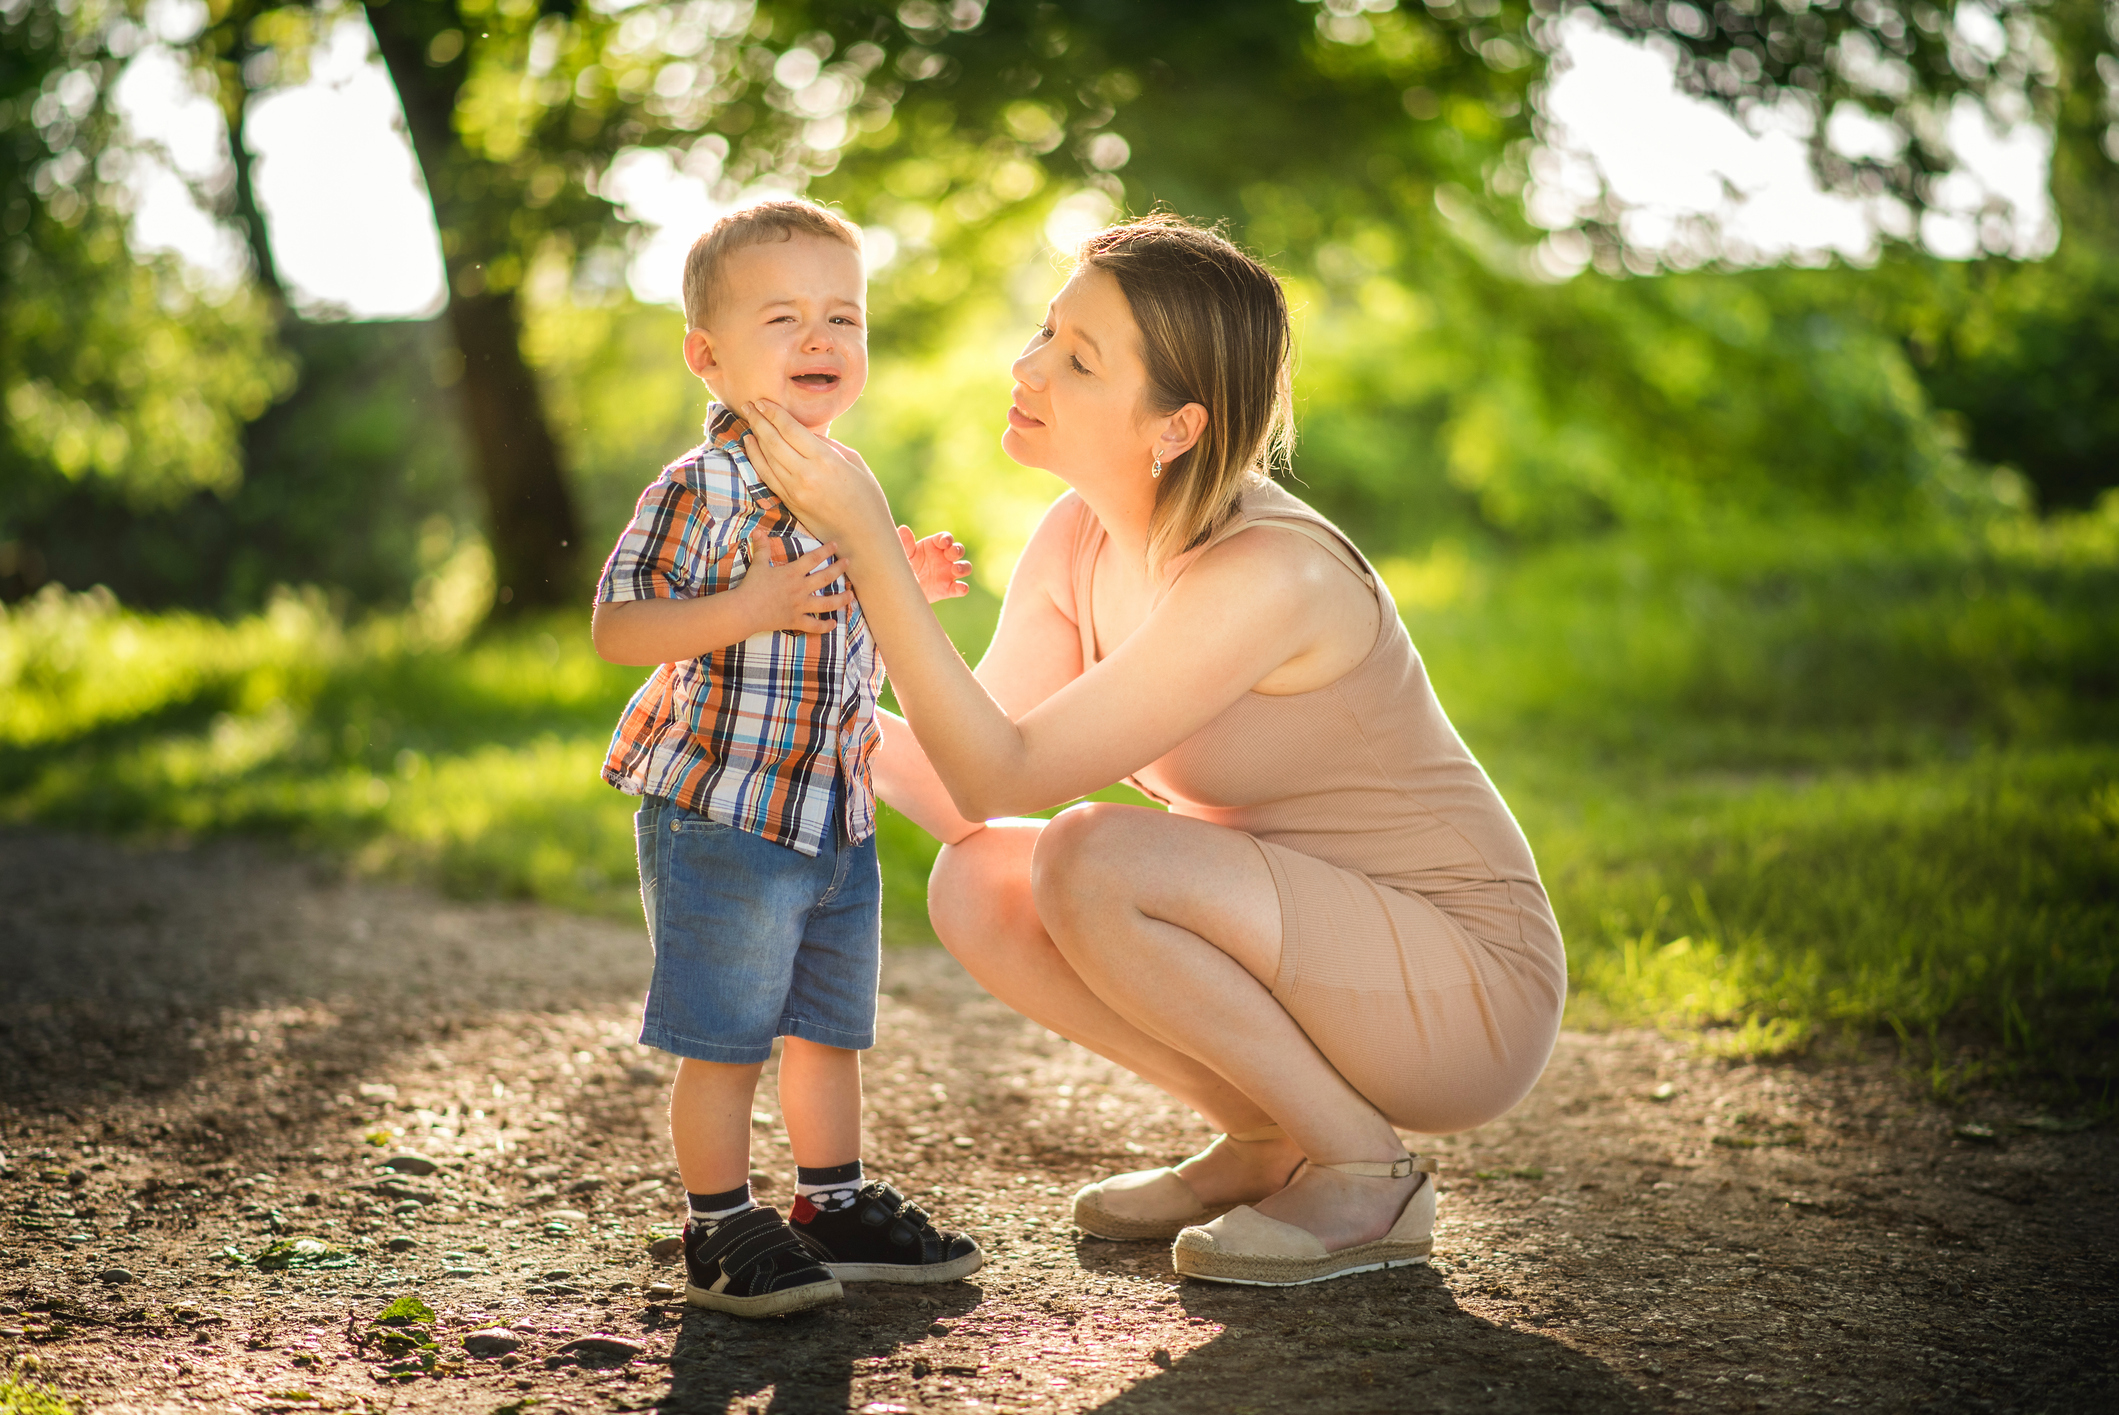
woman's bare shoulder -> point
(1262, 560)
(1047, 561)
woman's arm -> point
(1036, 651)
(1237, 614)
(906, 781)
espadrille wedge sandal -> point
(1152, 1203)
(1244, 1246)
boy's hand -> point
(784, 595)
(938, 563)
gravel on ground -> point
(249, 1107)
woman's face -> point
(1080, 387)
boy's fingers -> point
(762, 547)
(905, 539)
(810, 561)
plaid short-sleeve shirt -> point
(755, 734)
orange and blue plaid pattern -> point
(756, 734)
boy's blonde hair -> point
(779, 220)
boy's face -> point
(790, 324)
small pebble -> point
(401, 1243)
(666, 1250)
(660, 1291)
(117, 1277)
(410, 1164)
(491, 1342)
(1663, 1092)
(604, 1347)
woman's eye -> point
(1044, 331)
(1079, 367)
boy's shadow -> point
(804, 1364)
(1381, 1341)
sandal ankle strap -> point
(1403, 1167)
(1263, 1132)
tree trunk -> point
(529, 510)
(534, 534)
(234, 87)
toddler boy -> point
(750, 747)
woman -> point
(1336, 927)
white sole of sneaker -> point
(770, 1304)
(908, 1273)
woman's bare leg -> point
(1174, 925)
(979, 899)
(1098, 925)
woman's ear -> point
(1179, 431)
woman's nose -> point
(1025, 369)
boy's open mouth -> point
(816, 382)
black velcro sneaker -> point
(753, 1265)
(883, 1238)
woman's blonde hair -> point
(1213, 331)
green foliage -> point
(354, 482)
(116, 374)
(2027, 356)
(1537, 411)
(405, 1311)
(21, 1395)
(1806, 644)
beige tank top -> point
(1365, 773)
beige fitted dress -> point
(1418, 949)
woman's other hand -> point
(938, 561)
(829, 489)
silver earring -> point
(1157, 469)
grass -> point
(20, 1395)
(1783, 784)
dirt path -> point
(195, 1046)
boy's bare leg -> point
(710, 1123)
(820, 1098)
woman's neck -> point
(1125, 513)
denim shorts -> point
(754, 940)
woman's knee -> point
(974, 892)
(1080, 857)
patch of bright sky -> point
(1692, 183)
(353, 233)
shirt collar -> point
(725, 431)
